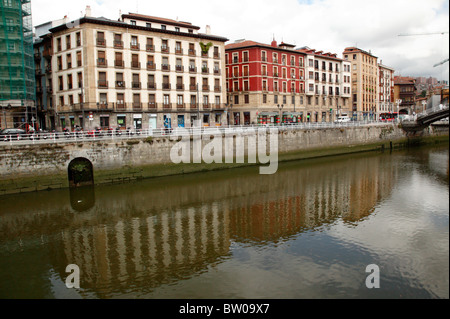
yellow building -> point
(364, 76)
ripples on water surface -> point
(308, 231)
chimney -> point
(88, 12)
(208, 29)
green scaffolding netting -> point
(17, 75)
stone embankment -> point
(45, 166)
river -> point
(308, 231)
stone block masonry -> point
(45, 166)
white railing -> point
(68, 137)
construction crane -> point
(430, 33)
(442, 62)
(414, 34)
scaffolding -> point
(17, 70)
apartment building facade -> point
(328, 85)
(267, 84)
(405, 90)
(386, 102)
(139, 72)
(365, 76)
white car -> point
(343, 119)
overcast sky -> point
(327, 25)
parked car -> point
(8, 134)
(343, 119)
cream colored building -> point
(386, 103)
(364, 74)
(328, 85)
(140, 72)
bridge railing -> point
(115, 134)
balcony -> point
(217, 88)
(167, 106)
(102, 62)
(103, 106)
(180, 87)
(151, 86)
(121, 106)
(136, 85)
(101, 42)
(216, 71)
(152, 106)
(205, 88)
(192, 69)
(102, 84)
(178, 51)
(118, 44)
(206, 106)
(135, 65)
(193, 106)
(134, 46)
(179, 68)
(119, 64)
(165, 49)
(181, 106)
(193, 87)
(205, 70)
(150, 48)
(205, 54)
(47, 53)
(166, 86)
(120, 84)
(165, 67)
(151, 66)
(216, 55)
(191, 52)
(137, 106)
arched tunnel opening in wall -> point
(80, 172)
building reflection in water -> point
(140, 235)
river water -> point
(308, 231)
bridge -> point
(417, 123)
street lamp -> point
(398, 102)
(423, 105)
(280, 108)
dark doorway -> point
(81, 172)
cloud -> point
(327, 25)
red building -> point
(265, 83)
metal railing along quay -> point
(116, 134)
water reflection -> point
(82, 198)
(133, 238)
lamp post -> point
(280, 108)
(398, 102)
(82, 107)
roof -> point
(349, 50)
(104, 21)
(404, 80)
(320, 54)
(159, 20)
(249, 44)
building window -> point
(132, 22)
